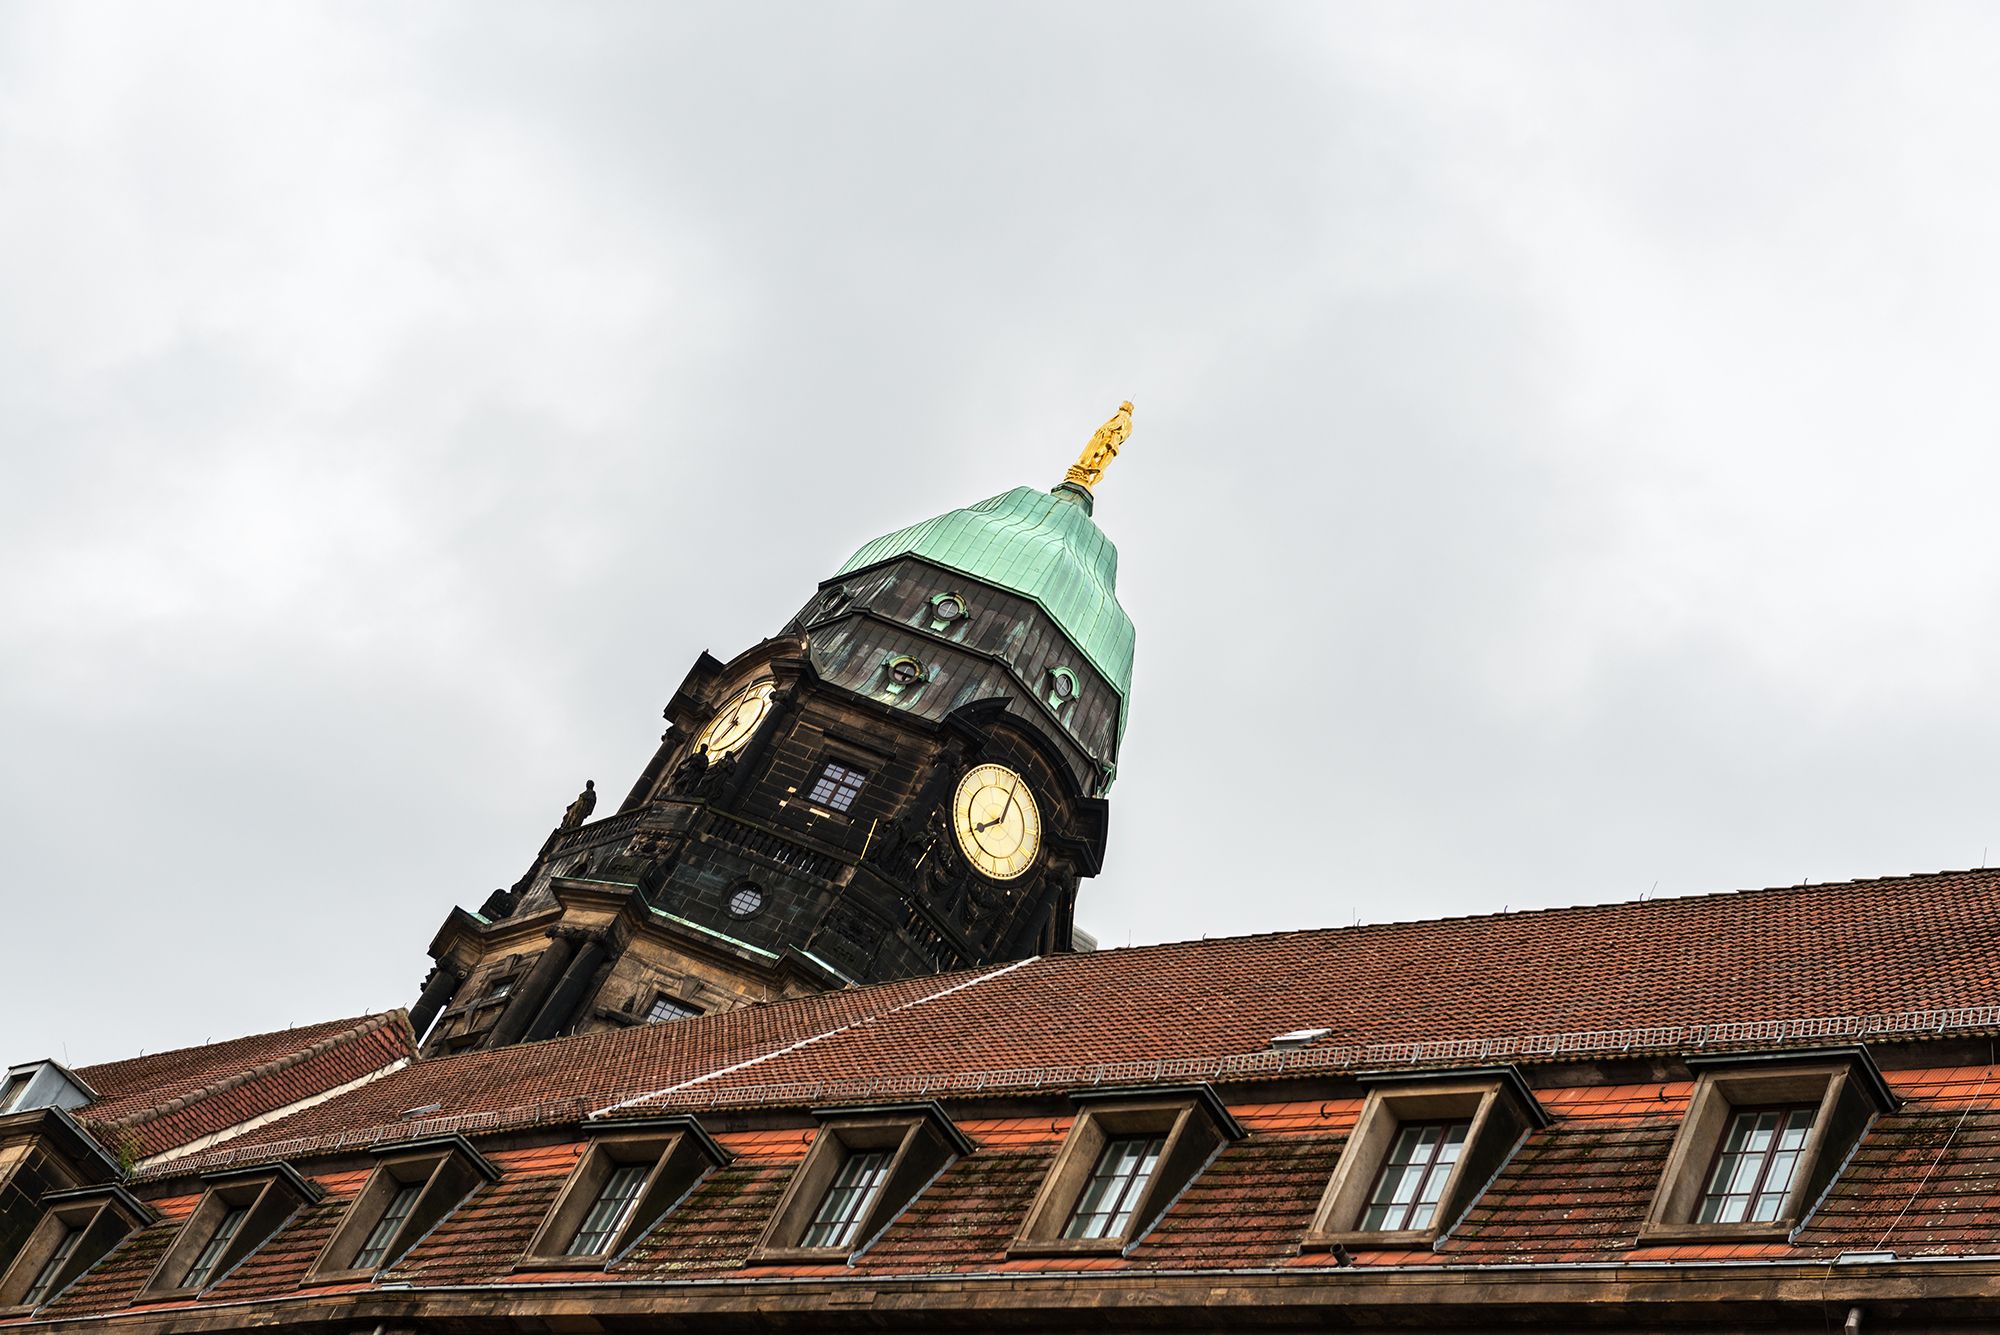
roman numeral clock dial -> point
(998, 825)
(735, 721)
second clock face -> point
(999, 827)
(735, 721)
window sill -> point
(1070, 1247)
(1378, 1239)
(167, 1295)
(598, 1262)
(1776, 1230)
(801, 1256)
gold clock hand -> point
(1004, 811)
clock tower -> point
(910, 777)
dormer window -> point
(847, 1199)
(864, 1168)
(632, 1174)
(44, 1283)
(236, 1215)
(1756, 1165)
(1413, 1177)
(1127, 1156)
(202, 1268)
(610, 1210)
(1420, 1151)
(1763, 1137)
(78, 1229)
(375, 1247)
(43, 1084)
(1111, 1194)
(412, 1189)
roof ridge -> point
(215, 1043)
(369, 1025)
(812, 1038)
(1543, 911)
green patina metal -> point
(1042, 545)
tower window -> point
(1412, 1180)
(1755, 1165)
(1105, 1207)
(837, 786)
(666, 1008)
(745, 901)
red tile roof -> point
(1924, 1181)
(1863, 948)
(150, 1104)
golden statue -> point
(1103, 448)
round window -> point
(745, 901)
(948, 607)
(905, 671)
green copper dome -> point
(1041, 545)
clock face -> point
(999, 826)
(735, 721)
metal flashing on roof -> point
(454, 1144)
(1510, 1078)
(1858, 1058)
(929, 1109)
(1202, 1094)
(688, 1126)
(111, 1191)
(278, 1168)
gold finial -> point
(1103, 448)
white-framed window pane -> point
(376, 1247)
(1104, 1207)
(854, 1189)
(610, 1210)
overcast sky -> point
(1564, 464)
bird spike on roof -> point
(1089, 468)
